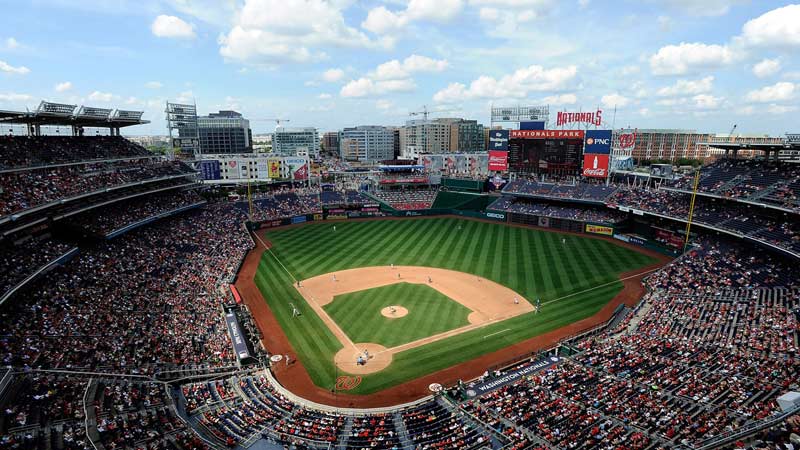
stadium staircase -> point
(344, 434)
(402, 432)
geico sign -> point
(496, 216)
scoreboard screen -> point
(559, 157)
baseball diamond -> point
(348, 275)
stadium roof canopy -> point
(58, 114)
(745, 146)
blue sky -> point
(702, 64)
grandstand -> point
(122, 328)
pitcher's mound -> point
(378, 359)
(394, 312)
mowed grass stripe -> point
(538, 265)
(429, 313)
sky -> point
(698, 64)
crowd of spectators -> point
(283, 204)
(128, 212)
(576, 190)
(31, 151)
(20, 260)
(408, 199)
(145, 300)
(768, 182)
(573, 212)
(21, 190)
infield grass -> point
(429, 312)
(532, 262)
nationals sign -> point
(498, 160)
(547, 134)
(627, 141)
(595, 165)
(592, 118)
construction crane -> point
(424, 113)
(730, 135)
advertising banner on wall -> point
(274, 165)
(498, 140)
(599, 229)
(598, 141)
(547, 134)
(498, 160)
(595, 166)
(298, 168)
(627, 141)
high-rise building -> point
(445, 135)
(225, 132)
(396, 137)
(330, 142)
(467, 136)
(296, 141)
(366, 144)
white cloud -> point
(384, 104)
(767, 67)
(12, 97)
(583, 3)
(366, 87)
(12, 44)
(381, 20)
(562, 99)
(133, 101)
(98, 96)
(324, 96)
(703, 8)
(395, 69)
(273, 32)
(516, 85)
(644, 112)
(706, 101)
(185, 97)
(172, 27)
(614, 100)
(780, 91)
(629, 70)
(153, 85)
(333, 75)
(63, 87)
(8, 68)
(664, 23)
(503, 17)
(689, 57)
(688, 87)
(781, 109)
(777, 28)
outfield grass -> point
(430, 312)
(532, 262)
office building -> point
(224, 132)
(367, 144)
(445, 135)
(296, 142)
(330, 142)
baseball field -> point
(424, 295)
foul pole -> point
(691, 208)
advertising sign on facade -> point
(595, 166)
(598, 141)
(599, 229)
(592, 118)
(547, 134)
(498, 140)
(210, 169)
(298, 169)
(498, 160)
(274, 166)
(627, 141)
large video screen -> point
(558, 157)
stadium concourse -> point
(115, 309)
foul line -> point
(601, 285)
(497, 332)
(273, 255)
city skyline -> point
(703, 65)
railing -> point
(747, 430)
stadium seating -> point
(408, 199)
(32, 151)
